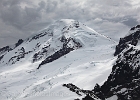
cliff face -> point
(132, 38)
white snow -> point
(113, 98)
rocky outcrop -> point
(9, 48)
(132, 39)
(89, 94)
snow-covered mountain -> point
(65, 52)
(70, 61)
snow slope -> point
(84, 57)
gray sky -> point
(22, 18)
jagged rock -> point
(88, 98)
(74, 88)
(89, 94)
(9, 48)
(1, 57)
(99, 92)
(21, 55)
(20, 41)
(130, 39)
(76, 99)
(4, 49)
(48, 32)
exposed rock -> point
(89, 94)
(20, 41)
(130, 39)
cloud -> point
(130, 22)
(110, 17)
(13, 14)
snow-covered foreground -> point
(83, 67)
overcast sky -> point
(22, 18)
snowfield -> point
(84, 66)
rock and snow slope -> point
(124, 81)
(65, 52)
